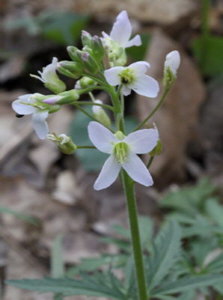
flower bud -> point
(86, 38)
(100, 114)
(86, 82)
(63, 142)
(70, 69)
(69, 97)
(171, 66)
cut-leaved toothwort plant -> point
(150, 269)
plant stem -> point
(166, 90)
(128, 185)
(86, 147)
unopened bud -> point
(86, 38)
(171, 66)
(69, 97)
(100, 114)
(63, 142)
(86, 82)
(70, 69)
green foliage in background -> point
(61, 27)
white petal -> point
(108, 174)
(122, 29)
(40, 125)
(126, 91)
(136, 41)
(173, 61)
(140, 67)
(112, 75)
(21, 108)
(137, 170)
(142, 141)
(101, 137)
(146, 86)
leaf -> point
(130, 278)
(215, 211)
(146, 232)
(189, 200)
(57, 265)
(29, 219)
(97, 284)
(63, 27)
(166, 252)
(186, 284)
(209, 53)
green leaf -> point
(187, 284)
(63, 27)
(189, 200)
(57, 265)
(208, 51)
(29, 219)
(98, 284)
(130, 278)
(146, 232)
(166, 252)
(215, 211)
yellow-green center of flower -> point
(127, 76)
(121, 151)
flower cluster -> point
(101, 64)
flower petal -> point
(122, 29)
(142, 141)
(40, 125)
(126, 91)
(112, 75)
(140, 67)
(172, 61)
(136, 41)
(101, 137)
(20, 107)
(146, 86)
(108, 174)
(137, 170)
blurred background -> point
(44, 193)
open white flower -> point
(133, 78)
(123, 152)
(172, 61)
(122, 31)
(25, 105)
(50, 78)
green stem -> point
(86, 147)
(154, 110)
(97, 104)
(128, 185)
(150, 162)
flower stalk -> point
(128, 185)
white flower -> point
(25, 105)
(50, 78)
(172, 61)
(133, 78)
(123, 152)
(122, 31)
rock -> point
(177, 119)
